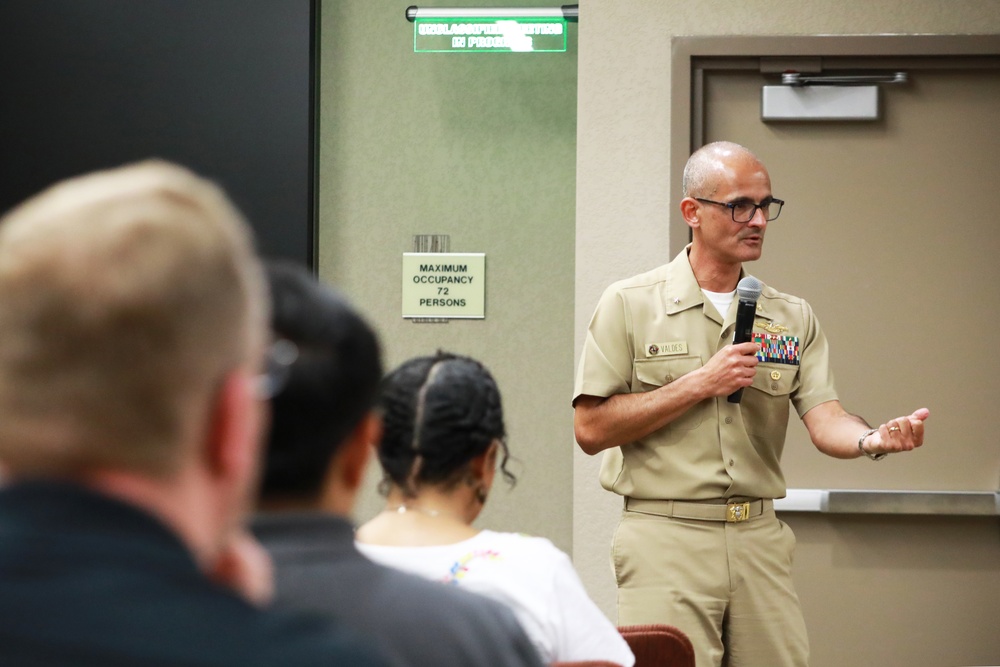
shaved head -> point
(707, 163)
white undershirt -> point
(721, 300)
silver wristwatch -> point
(861, 446)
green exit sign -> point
(500, 35)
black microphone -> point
(748, 290)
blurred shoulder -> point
(268, 637)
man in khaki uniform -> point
(699, 545)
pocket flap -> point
(658, 372)
(775, 379)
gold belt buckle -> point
(736, 512)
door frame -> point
(692, 57)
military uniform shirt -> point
(651, 329)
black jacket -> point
(88, 580)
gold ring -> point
(893, 428)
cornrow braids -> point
(439, 413)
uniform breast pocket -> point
(766, 402)
(651, 374)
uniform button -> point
(775, 375)
(731, 463)
(774, 385)
(729, 420)
(669, 378)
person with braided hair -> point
(324, 422)
(443, 436)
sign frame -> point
(444, 285)
(486, 34)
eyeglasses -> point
(744, 211)
(278, 367)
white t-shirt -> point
(721, 300)
(530, 575)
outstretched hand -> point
(899, 435)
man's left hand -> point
(898, 435)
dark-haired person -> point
(323, 429)
(134, 324)
(699, 545)
(444, 433)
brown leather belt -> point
(731, 511)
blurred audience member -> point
(133, 319)
(323, 430)
(444, 432)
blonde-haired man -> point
(133, 319)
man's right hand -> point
(601, 423)
(245, 566)
(731, 368)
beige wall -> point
(623, 180)
(480, 147)
(557, 166)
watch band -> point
(861, 446)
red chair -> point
(658, 645)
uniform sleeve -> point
(815, 375)
(584, 632)
(605, 367)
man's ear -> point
(236, 420)
(346, 470)
(690, 211)
(356, 451)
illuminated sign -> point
(522, 35)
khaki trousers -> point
(728, 586)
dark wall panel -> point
(224, 87)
